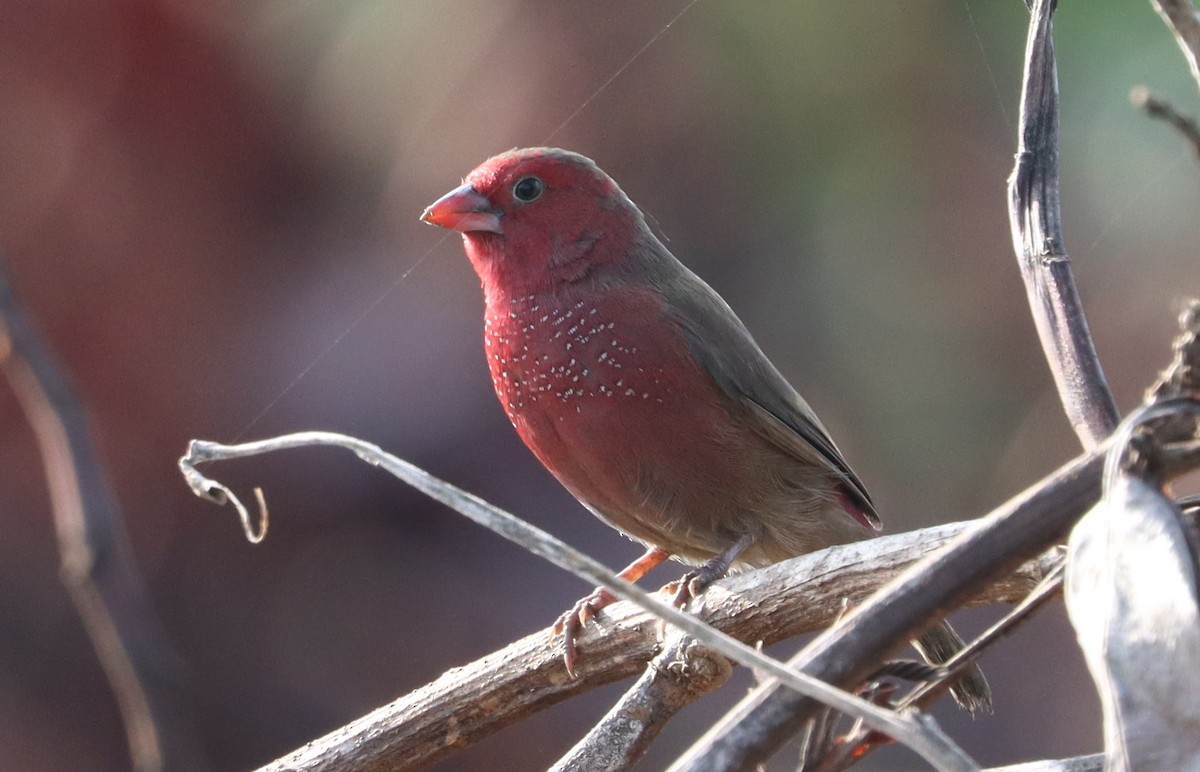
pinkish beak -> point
(463, 209)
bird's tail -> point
(971, 691)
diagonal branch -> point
(922, 736)
(797, 596)
(682, 672)
(848, 653)
(1035, 218)
(1184, 21)
(97, 562)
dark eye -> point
(528, 189)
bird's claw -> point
(571, 624)
(688, 586)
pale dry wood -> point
(1093, 763)
(681, 673)
(466, 704)
(915, 732)
(1131, 597)
(1023, 526)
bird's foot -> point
(691, 584)
(571, 623)
(698, 579)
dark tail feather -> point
(971, 691)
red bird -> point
(641, 391)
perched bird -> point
(641, 391)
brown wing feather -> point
(725, 348)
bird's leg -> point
(585, 609)
(695, 581)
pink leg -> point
(571, 623)
(694, 582)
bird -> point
(640, 390)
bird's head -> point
(537, 218)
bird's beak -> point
(463, 209)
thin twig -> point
(1092, 763)
(1026, 525)
(97, 562)
(1157, 107)
(1181, 376)
(862, 741)
(923, 696)
(922, 738)
(1035, 218)
(1184, 22)
(800, 595)
(848, 653)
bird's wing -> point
(724, 347)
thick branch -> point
(921, 736)
(682, 672)
(1035, 217)
(97, 562)
(1021, 528)
(468, 703)
(846, 654)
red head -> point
(536, 218)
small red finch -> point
(642, 392)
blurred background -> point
(211, 210)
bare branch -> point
(1035, 217)
(1093, 763)
(800, 595)
(1156, 107)
(1050, 587)
(97, 562)
(1024, 526)
(683, 671)
(907, 605)
(920, 736)
(1184, 21)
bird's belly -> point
(638, 464)
(623, 416)
(634, 427)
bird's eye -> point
(528, 189)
